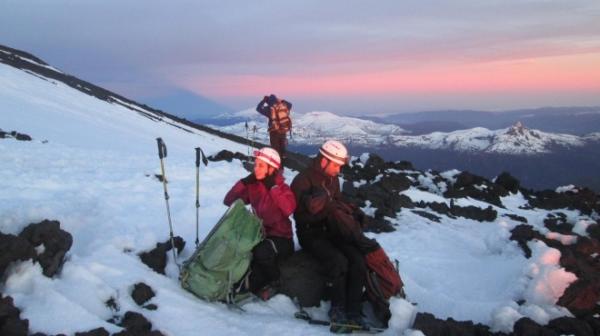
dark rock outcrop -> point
(558, 223)
(571, 326)
(472, 212)
(56, 243)
(228, 156)
(508, 182)
(94, 332)
(14, 134)
(156, 258)
(427, 215)
(136, 324)
(142, 293)
(582, 199)
(14, 248)
(482, 215)
(477, 187)
(527, 327)
(581, 296)
(432, 326)
(516, 218)
(10, 320)
(522, 234)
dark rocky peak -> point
(519, 130)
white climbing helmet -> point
(335, 151)
(269, 156)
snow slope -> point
(90, 165)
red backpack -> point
(383, 282)
(280, 117)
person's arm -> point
(315, 200)
(281, 194)
(239, 190)
(263, 108)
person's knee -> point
(263, 252)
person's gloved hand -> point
(270, 180)
(318, 201)
(248, 179)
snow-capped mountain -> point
(592, 137)
(89, 161)
(315, 127)
(516, 140)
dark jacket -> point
(273, 206)
(314, 192)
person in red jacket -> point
(273, 202)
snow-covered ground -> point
(91, 166)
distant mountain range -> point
(540, 159)
(571, 120)
(188, 105)
(315, 127)
(516, 139)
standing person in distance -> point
(273, 202)
(318, 197)
(280, 123)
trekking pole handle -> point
(200, 157)
(162, 148)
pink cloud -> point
(560, 73)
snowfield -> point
(91, 166)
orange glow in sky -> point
(579, 73)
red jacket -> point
(273, 206)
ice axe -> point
(199, 154)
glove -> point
(269, 181)
(248, 179)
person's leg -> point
(334, 265)
(285, 247)
(355, 278)
(263, 257)
(282, 249)
(274, 141)
(278, 141)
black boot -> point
(339, 322)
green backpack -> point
(224, 256)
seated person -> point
(273, 202)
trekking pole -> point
(247, 140)
(253, 136)
(162, 153)
(199, 153)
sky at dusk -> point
(347, 57)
